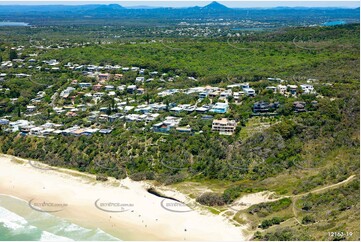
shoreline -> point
(121, 208)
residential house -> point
(25, 129)
(225, 94)
(71, 114)
(176, 109)
(203, 95)
(89, 131)
(121, 88)
(202, 109)
(104, 109)
(249, 92)
(112, 94)
(140, 90)
(282, 89)
(158, 106)
(168, 92)
(131, 88)
(30, 108)
(84, 85)
(58, 110)
(207, 117)
(143, 109)
(186, 129)
(261, 107)
(272, 88)
(97, 87)
(151, 117)
(47, 132)
(274, 79)
(292, 89)
(189, 108)
(109, 88)
(139, 79)
(307, 88)
(103, 77)
(133, 118)
(236, 96)
(128, 108)
(68, 108)
(15, 126)
(299, 106)
(244, 85)
(105, 131)
(165, 126)
(214, 94)
(52, 62)
(65, 93)
(224, 126)
(4, 122)
(82, 107)
(161, 127)
(36, 131)
(92, 118)
(219, 108)
(118, 76)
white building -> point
(30, 108)
(109, 88)
(282, 89)
(249, 91)
(307, 89)
(139, 79)
(272, 88)
(66, 92)
(226, 93)
(224, 126)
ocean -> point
(19, 222)
(13, 24)
(334, 23)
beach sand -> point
(122, 208)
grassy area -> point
(254, 125)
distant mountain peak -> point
(110, 7)
(215, 6)
(106, 9)
(115, 6)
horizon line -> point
(187, 4)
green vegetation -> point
(329, 215)
(264, 209)
(289, 153)
(268, 223)
(210, 199)
(261, 55)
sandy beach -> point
(123, 208)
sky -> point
(189, 3)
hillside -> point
(308, 160)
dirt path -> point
(296, 197)
(332, 186)
(326, 187)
